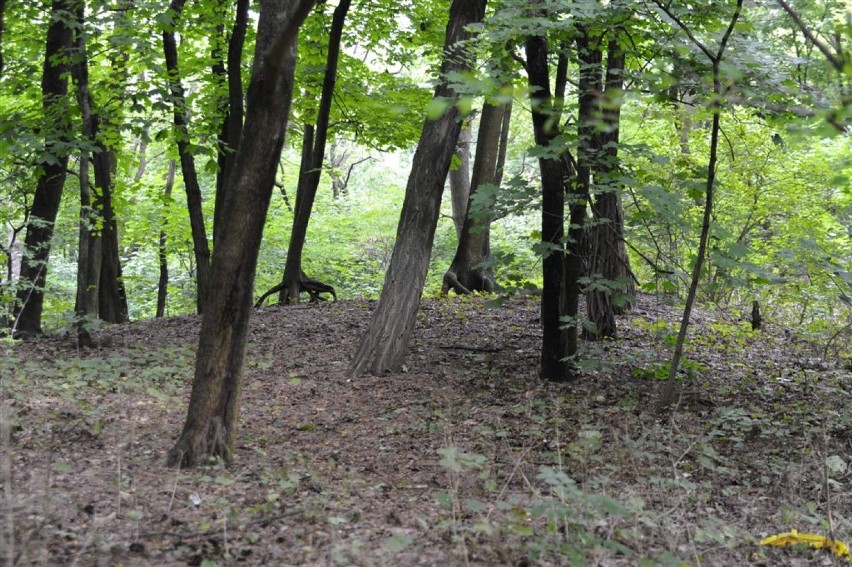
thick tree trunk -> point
(561, 272)
(52, 172)
(467, 273)
(213, 414)
(232, 125)
(187, 160)
(313, 151)
(590, 125)
(460, 181)
(162, 247)
(385, 345)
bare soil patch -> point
(466, 458)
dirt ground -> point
(465, 458)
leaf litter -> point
(464, 458)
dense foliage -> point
(781, 225)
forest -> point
(435, 282)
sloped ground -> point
(464, 459)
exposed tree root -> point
(477, 280)
(306, 285)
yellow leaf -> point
(793, 537)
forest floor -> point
(465, 458)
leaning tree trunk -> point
(313, 150)
(52, 172)
(213, 414)
(232, 124)
(468, 271)
(187, 160)
(385, 345)
(558, 343)
(668, 393)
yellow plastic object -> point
(793, 537)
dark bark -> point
(112, 300)
(313, 151)
(89, 256)
(162, 246)
(51, 176)
(385, 344)
(558, 270)
(213, 414)
(232, 125)
(469, 271)
(187, 160)
(608, 267)
(460, 181)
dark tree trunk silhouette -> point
(460, 181)
(162, 246)
(187, 161)
(89, 255)
(560, 290)
(232, 124)
(294, 280)
(590, 150)
(52, 173)
(384, 346)
(468, 271)
(112, 299)
(210, 428)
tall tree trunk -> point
(187, 161)
(313, 151)
(460, 181)
(467, 272)
(112, 300)
(52, 172)
(232, 124)
(213, 414)
(89, 257)
(590, 148)
(385, 345)
(162, 249)
(555, 339)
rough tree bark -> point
(232, 123)
(560, 289)
(213, 414)
(467, 272)
(589, 157)
(384, 346)
(51, 178)
(187, 161)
